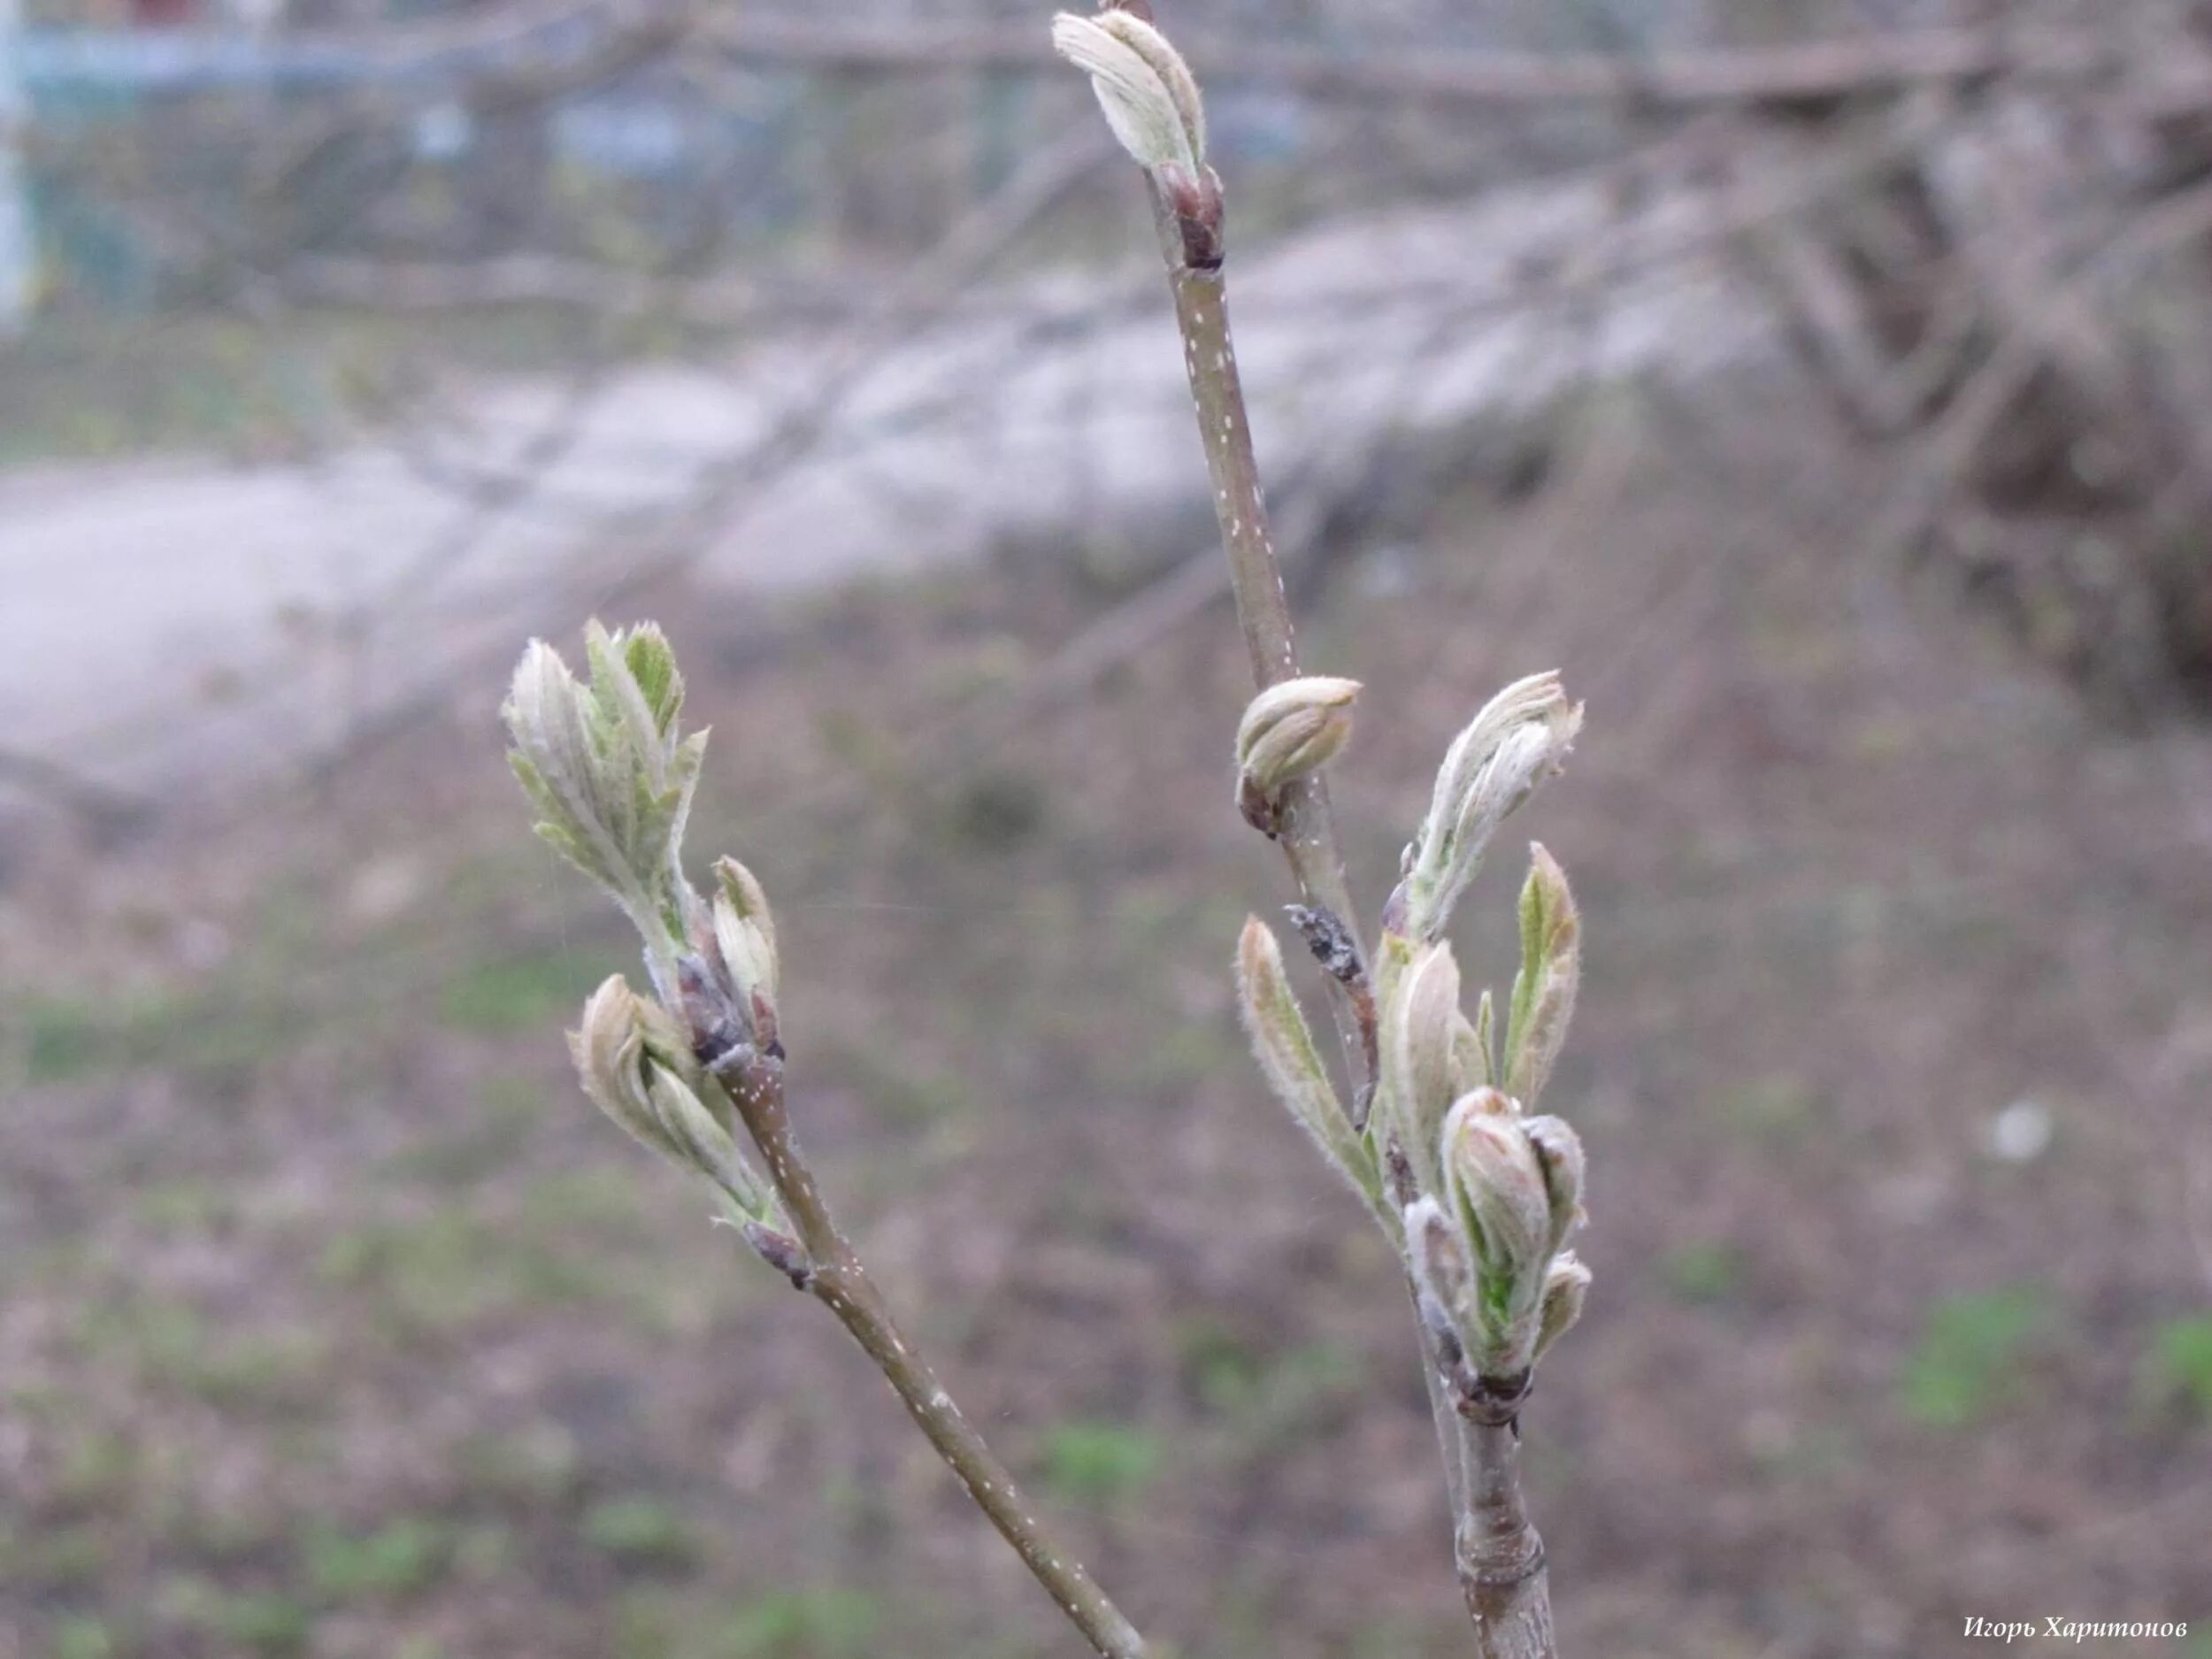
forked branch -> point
(686, 1068)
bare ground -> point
(332, 1322)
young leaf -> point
(1283, 1044)
(1551, 972)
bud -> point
(1559, 1154)
(1289, 730)
(668, 1041)
(611, 781)
(1438, 1259)
(745, 938)
(1498, 1191)
(1566, 1285)
(1149, 94)
(1551, 970)
(706, 1144)
(1283, 1044)
(1417, 1035)
(702, 1142)
(1493, 1171)
(780, 1251)
(636, 1065)
(609, 1049)
(1521, 737)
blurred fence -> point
(152, 155)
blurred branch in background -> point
(1891, 212)
(541, 50)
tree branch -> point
(840, 1282)
(1499, 1554)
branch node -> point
(781, 1252)
(1495, 1402)
(1336, 949)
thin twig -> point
(840, 1282)
(1499, 1556)
(1305, 827)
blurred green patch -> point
(1303, 1392)
(99, 1466)
(1220, 1367)
(232, 1538)
(170, 1344)
(994, 812)
(1704, 1274)
(1394, 1639)
(1265, 1398)
(187, 1203)
(806, 1622)
(603, 1199)
(452, 1269)
(812, 1622)
(262, 1624)
(533, 1465)
(651, 1625)
(62, 1040)
(59, 1558)
(1806, 1451)
(81, 1636)
(489, 1138)
(1098, 1462)
(483, 1551)
(639, 1530)
(265, 1621)
(1969, 1354)
(538, 991)
(898, 1089)
(1778, 1107)
(1183, 1054)
(2180, 1363)
(402, 1557)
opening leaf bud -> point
(609, 1049)
(1559, 1154)
(667, 1041)
(1520, 737)
(1551, 970)
(1418, 1037)
(1283, 1044)
(1438, 1257)
(1566, 1285)
(1498, 1191)
(634, 1062)
(610, 780)
(745, 937)
(1149, 94)
(1289, 730)
(705, 1143)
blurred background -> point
(1823, 385)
